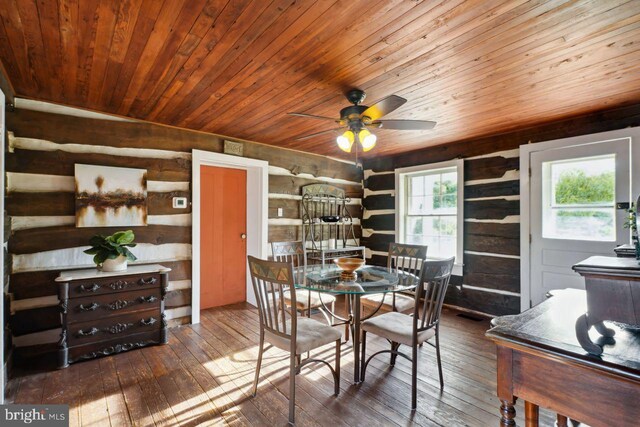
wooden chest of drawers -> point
(106, 313)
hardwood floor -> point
(203, 377)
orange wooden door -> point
(223, 249)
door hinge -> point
(529, 172)
(530, 238)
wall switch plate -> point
(179, 202)
(280, 212)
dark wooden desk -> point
(541, 362)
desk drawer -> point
(114, 327)
(83, 288)
(113, 346)
(100, 306)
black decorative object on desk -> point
(613, 294)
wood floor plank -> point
(94, 405)
(134, 396)
(269, 404)
(204, 377)
(195, 408)
(270, 394)
(154, 380)
(321, 404)
(31, 389)
(55, 392)
(116, 405)
(209, 384)
(232, 402)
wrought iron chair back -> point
(403, 258)
(434, 280)
(406, 258)
(270, 279)
(292, 252)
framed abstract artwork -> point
(110, 196)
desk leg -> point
(531, 412)
(356, 338)
(508, 413)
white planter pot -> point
(118, 264)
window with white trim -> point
(429, 206)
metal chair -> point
(402, 257)
(283, 329)
(414, 330)
(294, 252)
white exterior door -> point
(574, 192)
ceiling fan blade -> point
(311, 116)
(317, 133)
(382, 107)
(404, 124)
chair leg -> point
(260, 351)
(346, 325)
(414, 377)
(363, 344)
(292, 388)
(438, 357)
(337, 367)
(394, 347)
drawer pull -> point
(88, 333)
(149, 281)
(148, 299)
(119, 285)
(92, 288)
(118, 328)
(119, 304)
(90, 307)
(149, 322)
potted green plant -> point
(111, 253)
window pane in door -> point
(578, 198)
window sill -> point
(457, 270)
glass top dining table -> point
(370, 280)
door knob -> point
(243, 236)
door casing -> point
(525, 191)
(257, 215)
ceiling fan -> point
(358, 119)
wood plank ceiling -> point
(236, 67)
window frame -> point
(401, 200)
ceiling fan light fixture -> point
(345, 141)
(367, 139)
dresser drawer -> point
(113, 346)
(83, 288)
(109, 305)
(113, 327)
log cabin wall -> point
(491, 274)
(40, 203)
